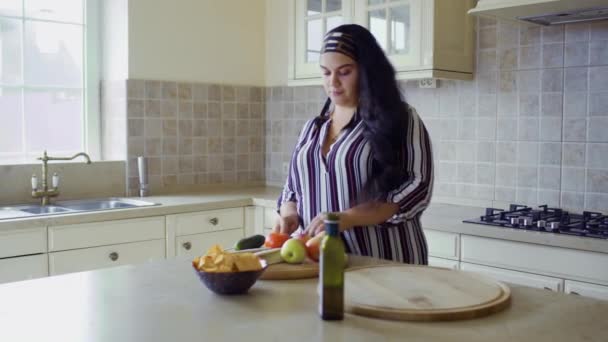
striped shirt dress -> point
(331, 184)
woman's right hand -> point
(287, 224)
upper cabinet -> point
(423, 38)
(309, 21)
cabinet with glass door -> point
(422, 38)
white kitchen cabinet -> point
(198, 244)
(309, 20)
(514, 277)
(94, 234)
(88, 246)
(105, 256)
(253, 220)
(443, 244)
(206, 221)
(270, 218)
(552, 261)
(422, 38)
(586, 289)
(24, 267)
(203, 229)
(445, 263)
(22, 241)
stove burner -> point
(546, 219)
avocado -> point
(255, 241)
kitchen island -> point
(165, 301)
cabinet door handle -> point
(575, 293)
(214, 221)
(187, 245)
(113, 256)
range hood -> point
(543, 12)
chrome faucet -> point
(45, 193)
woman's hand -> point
(287, 224)
(317, 225)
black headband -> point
(340, 42)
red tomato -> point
(276, 240)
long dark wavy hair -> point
(383, 111)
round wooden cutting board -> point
(285, 271)
(421, 293)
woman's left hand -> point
(317, 225)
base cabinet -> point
(198, 244)
(518, 278)
(105, 256)
(191, 234)
(586, 289)
(444, 263)
(443, 244)
(270, 219)
(24, 267)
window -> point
(48, 79)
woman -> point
(367, 156)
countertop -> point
(165, 301)
(439, 216)
(167, 204)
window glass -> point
(333, 5)
(54, 120)
(400, 29)
(56, 10)
(10, 51)
(313, 7)
(377, 26)
(313, 40)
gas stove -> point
(546, 219)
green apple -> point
(293, 251)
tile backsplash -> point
(195, 134)
(532, 127)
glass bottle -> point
(331, 272)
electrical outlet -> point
(285, 168)
(427, 83)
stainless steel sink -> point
(47, 209)
(103, 204)
(67, 207)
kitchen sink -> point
(87, 205)
(75, 206)
(47, 209)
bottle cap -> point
(333, 217)
(332, 224)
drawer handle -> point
(575, 293)
(113, 256)
(548, 288)
(214, 221)
(187, 245)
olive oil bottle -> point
(331, 273)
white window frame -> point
(91, 130)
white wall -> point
(198, 40)
(276, 43)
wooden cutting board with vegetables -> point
(278, 269)
(287, 257)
